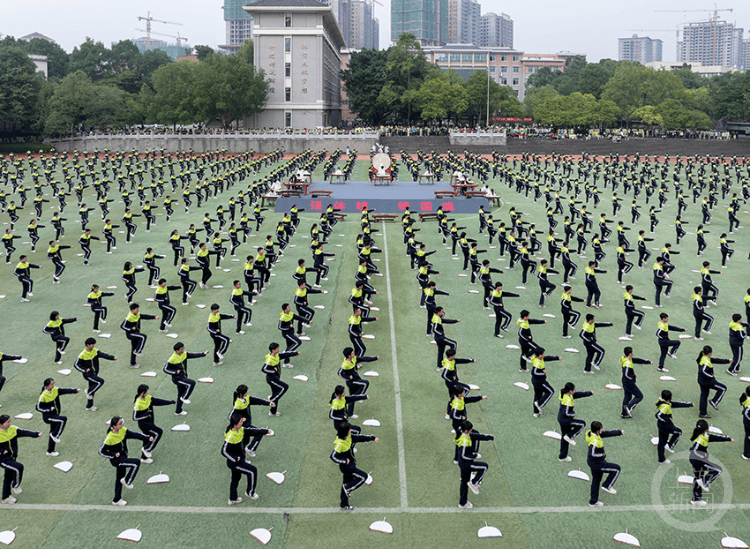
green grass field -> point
(526, 492)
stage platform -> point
(352, 196)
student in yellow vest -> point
(745, 403)
(596, 459)
(569, 426)
(339, 403)
(128, 276)
(55, 328)
(704, 472)
(132, 327)
(49, 406)
(9, 435)
(232, 451)
(115, 449)
(241, 403)
(348, 372)
(737, 334)
(669, 433)
(707, 380)
(176, 367)
(542, 389)
(472, 471)
(143, 413)
(343, 456)
(286, 326)
(457, 411)
(273, 375)
(88, 364)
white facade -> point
(464, 22)
(639, 49)
(496, 31)
(711, 43)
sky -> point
(540, 26)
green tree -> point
(19, 88)
(203, 52)
(675, 115)
(91, 58)
(648, 115)
(247, 52)
(441, 95)
(152, 60)
(478, 88)
(594, 76)
(406, 69)
(228, 88)
(364, 80)
(543, 77)
(57, 58)
(174, 90)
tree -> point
(57, 58)
(203, 52)
(441, 95)
(543, 77)
(675, 115)
(594, 77)
(19, 88)
(247, 52)
(91, 58)
(364, 81)
(173, 99)
(124, 56)
(228, 88)
(406, 69)
(150, 61)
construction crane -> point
(148, 20)
(714, 19)
(178, 37)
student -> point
(594, 352)
(457, 410)
(570, 316)
(94, 299)
(710, 291)
(525, 338)
(132, 327)
(343, 456)
(232, 451)
(23, 273)
(661, 281)
(542, 389)
(569, 426)
(704, 472)
(700, 314)
(669, 433)
(237, 299)
(726, 252)
(128, 276)
(188, 285)
(241, 403)
(355, 331)
(745, 403)
(348, 372)
(449, 374)
(631, 312)
(153, 269)
(438, 332)
(592, 286)
(88, 364)
(737, 334)
(502, 317)
(632, 394)
(472, 471)
(303, 307)
(49, 406)
(339, 403)
(596, 459)
(9, 435)
(707, 380)
(115, 449)
(176, 367)
(55, 328)
(221, 342)
(143, 413)
(3, 358)
(545, 286)
(667, 346)
(273, 375)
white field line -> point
(396, 385)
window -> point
(467, 58)
(492, 69)
(503, 69)
(287, 19)
(515, 69)
(504, 81)
(287, 44)
(515, 58)
(455, 58)
(503, 58)
(480, 58)
(287, 69)
(492, 57)
(288, 94)
(515, 82)
(287, 119)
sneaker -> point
(138, 354)
(467, 505)
(666, 462)
(706, 332)
(135, 365)
(704, 416)
(218, 363)
(569, 440)
(17, 490)
(146, 453)
(567, 458)
(10, 500)
(55, 439)
(698, 338)
(125, 484)
(183, 413)
(610, 490)
(672, 356)
(447, 416)
(91, 409)
(287, 365)
(669, 448)
(745, 457)
(702, 484)
(597, 504)
(567, 337)
(147, 460)
(536, 405)
(277, 414)
(234, 501)
(664, 370)
(698, 503)
(96, 331)
(347, 508)
(711, 402)
(240, 332)
(474, 488)
(249, 452)
(252, 496)
(53, 454)
(731, 373)
(248, 324)
(355, 416)
(500, 336)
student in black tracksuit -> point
(302, 305)
(472, 471)
(542, 389)
(221, 341)
(128, 276)
(632, 395)
(594, 352)
(545, 286)
(88, 364)
(153, 269)
(23, 273)
(438, 332)
(429, 294)
(241, 403)
(115, 449)
(596, 459)
(176, 367)
(348, 372)
(132, 327)
(4, 357)
(161, 297)
(502, 317)
(704, 472)
(707, 380)
(343, 456)
(667, 346)
(570, 316)
(525, 339)
(49, 406)
(94, 299)
(286, 326)
(237, 299)
(174, 241)
(339, 403)
(188, 285)
(669, 433)
(449, 374)
(745, 403)
(55, 328)
(9, 435)
(232, 451)
(457, 411)
(631, 312)
(143, 413)
(592, 286)
(273, 375)
(700, 315)
(569, 426)
(355, 331)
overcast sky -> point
(540, 26)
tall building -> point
(239, 25)
(297, 45)
(358, 26)
(172, 50)
(496, 31)
(711, 43)
(427, 20)
(464, 22)
(745, 55)
(639, 49)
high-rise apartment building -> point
(239, 25)
(711, 43)
(496, 31)
(427, 20)
(639, 49)
(464, 22)
(358, 26)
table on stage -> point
(297, 187)
(340, 177)
(460, 188)
(427, 179)
(382, 179)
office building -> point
(427, 20)
(358, 26)
(639, 49)
(496, 31)
(297, 45)
(464, 22)
(239, 25)
(711, 43)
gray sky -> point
(540, 26)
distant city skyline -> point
(543, 26)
